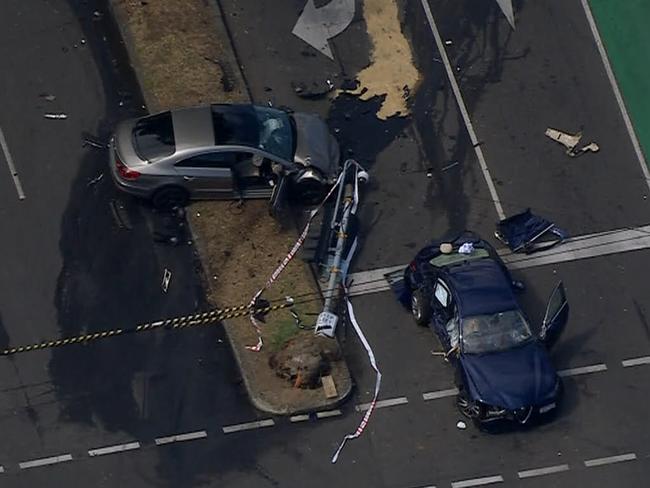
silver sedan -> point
(223, 152)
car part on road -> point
(59, 116)
(521, 231)
(570, 141)
(167, 276)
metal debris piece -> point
(48, 97)
(571, 141)
(448, 42)
(94, 181)
(167, 276)
(60, 116)
(449, 166)
(93, 143)
(461, 425)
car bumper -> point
(125, 185)
(521, 416)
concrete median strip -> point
(45, 461)
(190, 436)
(229, 429)
(531, 473)
(573, 249)
(102, 451)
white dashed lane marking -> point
(594, 368)
(435, 395)
(299, 418)
(229, 429)
(389, 402)
(591, 463)
(102, 451)
(530, 473)
(635, 361)
(328, 413)
(45, 461)
(488, 480)
(190, 436)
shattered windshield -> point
(263, 128)
(494, 332)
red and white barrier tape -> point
(373, 363)
(274, 276)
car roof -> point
(480, 287)
(193, 128)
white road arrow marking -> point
(506, 7)
(316, 26)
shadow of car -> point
(224, 152)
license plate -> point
(547, 408)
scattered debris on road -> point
(571, 141)
(92, 142)
(314, 91)
(167, 276)
(119, 215)
(461, 425)
(449, 166)
(59, 116)
(47, 96)
(94, 181)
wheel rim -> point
(468, 408)
(415, 308)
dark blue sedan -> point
(463, 290)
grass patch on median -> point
(183, 57)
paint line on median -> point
(299, 418)
(635, 361)
(258, 424)
(389, 402)
(102, 451)
(45, 461)
(594, 368)
(328, 413)
(488, 480)
(190, 436)
(11, 166)
(531, 473)
(435, 395)
(590, 463)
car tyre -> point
(421, 308)
(170, 197)
(470, 409)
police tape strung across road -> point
(193, 320)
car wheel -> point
(469, 408)
(170, 197)
(420, 308)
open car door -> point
(557, 314)
(278, 205)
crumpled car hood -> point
(519, 377)
(315, 146)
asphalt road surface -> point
(70, 267)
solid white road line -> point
(190, 436)
(572, 249)
(229, 429)
(488, 480)
(463, 110)
(590, 463)
(45, 461)
(102, 451)
(11, 165)
(389, 402)
(530, 473)
(617, 92)
(434, 395)
(328, 413)
(595, 368)
(635, 361)
(299, 418)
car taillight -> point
(124, 171)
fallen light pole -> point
(346, 206)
